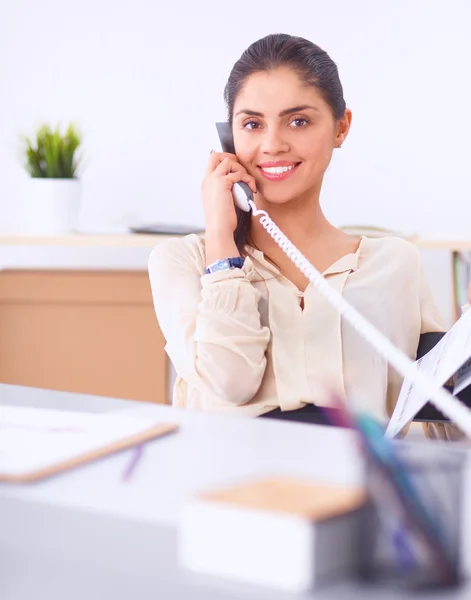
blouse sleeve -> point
(430, 317)
(211, 324)
(420, 315)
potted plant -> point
(53, 201)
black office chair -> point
(429, 412)
(314, 414)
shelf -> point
(436, 243)
(149, 241)
(78, 240)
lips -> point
(278, 171)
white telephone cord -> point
(441, 398)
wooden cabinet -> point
(92, 332)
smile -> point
(278, 172)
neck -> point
(301, 220)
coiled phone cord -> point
(442, 399)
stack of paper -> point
(36, 443)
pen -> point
(135, 458)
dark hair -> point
(313, 65)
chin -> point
(278, 198)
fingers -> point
(226, 164)
(215, 158)
(248, 179)
(235, 172)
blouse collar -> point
(349, 262)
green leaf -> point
(52, 154)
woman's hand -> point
(223, 171)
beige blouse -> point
(240, 342)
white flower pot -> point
(52, 205)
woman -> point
(257, 336)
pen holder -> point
(395, 550)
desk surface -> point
(88, 534)
(127, 240)
(208, 449)
(124, 252)
(445, 242)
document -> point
(449, 359)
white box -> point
(282, 533)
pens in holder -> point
(416, 520)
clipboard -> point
(52, 433)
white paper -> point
(35, 438)
(441, 363)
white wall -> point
(145, 79)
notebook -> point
(37, 443)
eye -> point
(299, 122)
(251, 125)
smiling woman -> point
(251, 335)
(288, 137)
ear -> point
(343, 127)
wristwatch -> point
(226, 263)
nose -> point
(273, 142)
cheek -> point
(245, 156)
(318, 151)
(246, 153)
(318, 144)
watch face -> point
(226, 263)
(223, 264)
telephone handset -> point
(241, 191)
(443, 400)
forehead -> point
(273, 91)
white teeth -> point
(277, 170)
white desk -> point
(127, 251)
(208, 450)
(87, 534)
(447, 242)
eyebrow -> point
(283, 113)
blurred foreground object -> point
(279, 532)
